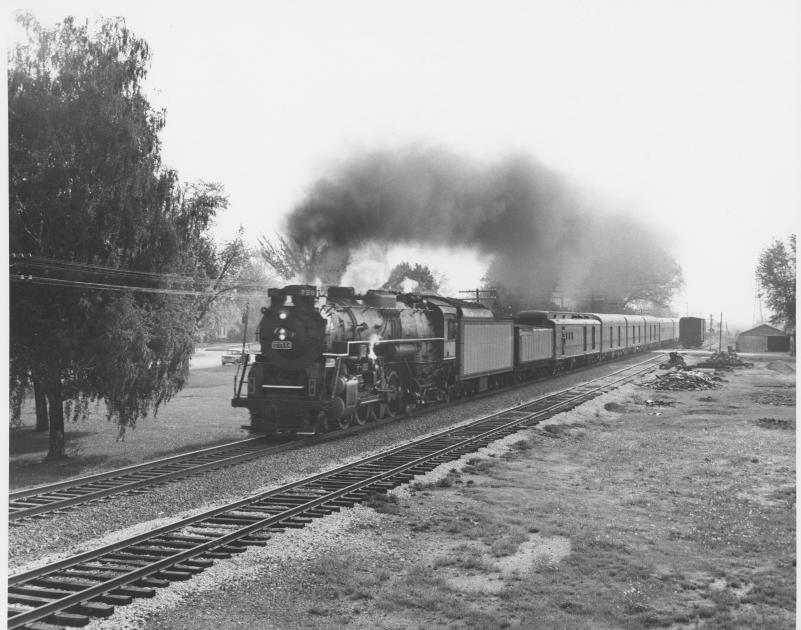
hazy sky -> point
(684, 113)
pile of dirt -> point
(683, 380)
(728, 359)
(674, 360)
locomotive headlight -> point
(282, 334)
(282, 314)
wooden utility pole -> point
(482, 294)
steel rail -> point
(315, 496)
(50, 497)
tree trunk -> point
(40, 396)
(56, 423)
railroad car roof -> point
(575, 322)
(608, 318)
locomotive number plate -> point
(282, 345)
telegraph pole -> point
(482, 294)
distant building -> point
(763, 338)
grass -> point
(199, 416)
(382, 503)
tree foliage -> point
(315, 261)
(776, 272)
(244, 291)
(644, 277)
(87, 188)
(419, 273)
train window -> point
(593, 337)
(585, 338)
(451, 334)
(618, 336)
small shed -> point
(763, 338)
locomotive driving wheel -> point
(362, 414)
(394, 404)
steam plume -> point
(538, 228)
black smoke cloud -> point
(539, 228)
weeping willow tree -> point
(87, 190)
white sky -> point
(685, 113)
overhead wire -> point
(44, 264)
(205, 287)
(99, 286)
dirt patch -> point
(491, 573)
(785, 367)
(774, 398)
(776, 423)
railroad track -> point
(90, 584)
(67, 494)
(58, 497)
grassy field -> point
(619, 514)
(201, 415)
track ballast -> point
(67, 494)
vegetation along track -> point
(66, 494)
(90, 584)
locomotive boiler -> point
(329, 361)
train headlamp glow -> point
(282, 314)
(282, 334)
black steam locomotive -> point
(329, 361)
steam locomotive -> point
(329, 361)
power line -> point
(99, 286)
(45, 265)
(55, 264)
